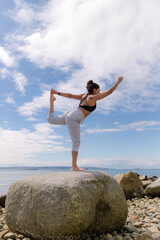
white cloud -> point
(125, 163)
(6, 58)
(20, 80)
(104, 39)
(4, 73)
(137, 126)
(10, 100)
(21, 146)
(32, 119)
(32, 108)
(24, 11)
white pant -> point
(72, 119)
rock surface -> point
(131, 184)
(140, 224)
(146, 181)
(2, 200)
(143, 177)
(59, 204)
(153, 189)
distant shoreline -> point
(105, 168)
(9, 175)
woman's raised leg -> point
(52, 119)
(52, 99)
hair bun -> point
(89, 83)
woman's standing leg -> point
(74, 130)
(74, 162)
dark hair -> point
(91, 85)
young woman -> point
(73, 118)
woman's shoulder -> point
(84, 95)
(90, 96)
(91, 99)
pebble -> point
(143, 223)
(118, 237)
(9, 235)
(146, 235)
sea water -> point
(9, 175)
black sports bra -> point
(86, 107)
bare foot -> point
(77, 169)
(52, 97)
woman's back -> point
(87, 103)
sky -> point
(62, 44)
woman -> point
(73, 118)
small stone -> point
(9, 235)
(6, 228)
(153, 229)
(2, 200)
(130, 229)
(114, 233)
(21, 237)
(108, 237)
(118, 237)
(137, 224)
(127, 238)
(143, 177)
(1, 226)
(136, 235)
(129, 203)
(156, 235)
(134, 217)
(155, 220)
(126, 234)
(147, 225)
(158, 226)
(145, 236)
(3, 233)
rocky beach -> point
(143, 222)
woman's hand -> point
(53, 91)
(120, 79)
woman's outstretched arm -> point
(100, 96)
(68, 95)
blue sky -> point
(61, 45)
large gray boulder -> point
(153, 190)
(69, 203)
(131, 184)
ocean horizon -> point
(9, 175)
